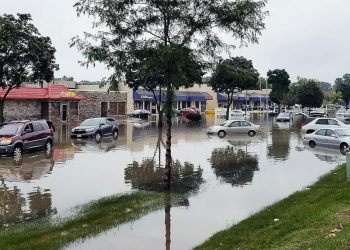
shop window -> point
(113, 108)
(121, 108)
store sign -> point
(146, 97)
(68, 94)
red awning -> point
(53, 92)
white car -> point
(323, 122)
(329, 137)
(234, 126)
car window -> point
(245, 124)
(332, 122)
(10, 129)
(235, 124)
(28, 128)
(330, 132)
(37, 127)
(322, 121)
(110, 121)
(321, 132)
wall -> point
(91, 106)
(22, 110)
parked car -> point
(318, 123)
(318, 113)
(233, 127)
(185, 111)
(140, 113)
(329, 137)
(21, 136)
(96, 128)
(283, 117)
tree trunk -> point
(2, 101)
(167, 201)
(168, 158)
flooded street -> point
(220, 181)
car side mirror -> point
(102, 124)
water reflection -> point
(14, 209)
(234, 166)
(280, 136)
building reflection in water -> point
(234, 166)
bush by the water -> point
(194, 116)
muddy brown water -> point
(221, 180)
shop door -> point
(64, 112)
(104, 109)
(44, 110)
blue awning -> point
(238, 98)
(180, 96)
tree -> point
(335, 97)
(233, 74)
(343, 86)
(279, 79)
(180, 32)
(309, 93)
(25, 55)
(325, 86)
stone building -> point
(55, 102)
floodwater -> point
(221, 181)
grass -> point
(315, 218)
(91, 219)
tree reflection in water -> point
(280, 143)
(13, 207)
(235, 167)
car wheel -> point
(48, 147)
(344, 147)
(98, 136)
(17, 153)
(312, 144)
(251, 133)
(115, 134)
(221, 134)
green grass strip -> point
(315, 218)
(91, 220)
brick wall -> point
(91, 106)
(22, 110)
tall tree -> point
(309, 93)
(335, 97)
(25, 55)
(279, 79)
(343, 86)
(232, 74)
(170, 27)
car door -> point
(320, 137)
(321, 123)
(331, 138)
(28, 137)
(234, 127)
(39, 134)
(105, 127)
(245, 127)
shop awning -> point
(236, 97)
(179, 95)
(53, 92)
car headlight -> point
(73, 130)
(5, 141)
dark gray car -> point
(96, 128)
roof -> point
(52, 92)
(179, 95)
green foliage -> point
(233, 74)
(343, 86)
(25, 55)
(279, 79)
(309, 93)
(335, 97)
(194, 116)
(325, 86)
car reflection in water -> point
(324, 154)
(28, 167)
(91, 145)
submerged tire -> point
(312, 144)
(251, 133)
(344, 147)
(221, 134)
(17, 153)
(115, 134)
(98, 136)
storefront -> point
(183, 99)
(56, 103)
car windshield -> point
(10, 129)
(283, 115)
(91, 122)
(343, 132)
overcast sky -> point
(308, 38)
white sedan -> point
(329, 137)
(318, 123)
(234, 126)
